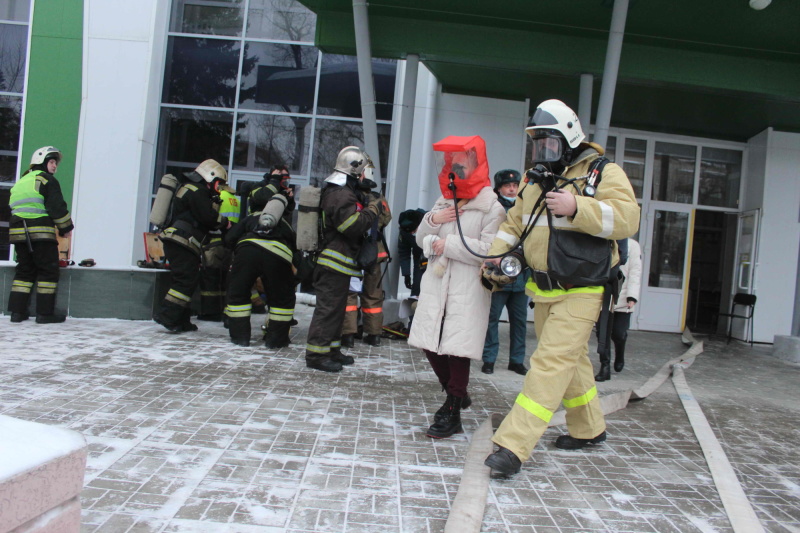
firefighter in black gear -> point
(194, 215)
(371, 296)
(277, 180)
(347, 215)
(265, 247)
(38, 210)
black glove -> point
(407, 281)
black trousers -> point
(619, 332)
(325, 331)
(185, 268)
(39, 268)
(213, 283)
(249, 262)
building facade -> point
(132, 90)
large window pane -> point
(673, 172)
(266, 140)
(333, 135)
(720, 173)
(188, 136)
(212, 17)
(13, 49)
(284, 20)
(279, 77)
(634, 163)
(201, 72)
(16, 10)
(669, 247)
(10, 112)
(339, 92)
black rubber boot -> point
(372, 340)
(277, 335)
(487, 368)
(341, 358)
(323, 362)
(50, 319)
(568, 442)
(466, 401)
(348, 341)
(212, 317)
(503, 463)
(604, 374)
(239, 330)
(450, 421)
(619, 360)
(240, 341)
(19, 317)
(519, 368)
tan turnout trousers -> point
(560, 371)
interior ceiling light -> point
(758, 5)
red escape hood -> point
(457, 149)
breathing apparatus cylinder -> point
(161, 206)
(272, 212)
(308, 218)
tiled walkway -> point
(190, 433)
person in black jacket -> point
(265, 247)
(195, 213)
(347, 214)
(412, 261)
(38, 210)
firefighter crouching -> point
(371, 295)
(347, 215)
(564, 315)
(38, 210)
(194, 215)
(265, 247)
(217, 261)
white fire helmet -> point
(210, 170)
(44, 153)
(552, 125)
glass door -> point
(667, 256)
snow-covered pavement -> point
(190, 433)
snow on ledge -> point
(26, 445)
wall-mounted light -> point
(758, 5)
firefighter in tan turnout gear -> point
(371, 296)
(38, 210)
(564, 313)
(347, 215)
(194, 215)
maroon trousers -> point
(452, 371)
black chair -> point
(748, 302)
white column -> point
(610, 71)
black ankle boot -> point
(466, 401)
(341, 358)
(450, 421)
(619, 361)
(19, 317)
(487, 368)
(503, 462)
(372, 340)
(568, 442)
(324, 363)
(605, 372)
(50, 319)
(348, 341)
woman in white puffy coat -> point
(453, 309)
